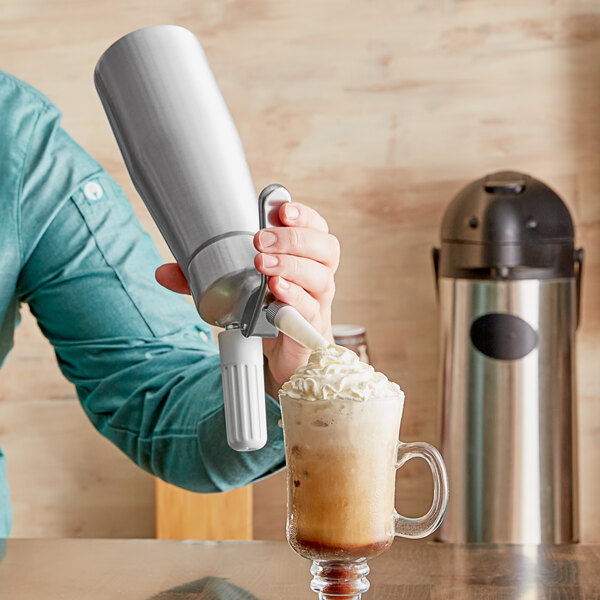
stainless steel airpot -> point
(509, 282)
(186, 160)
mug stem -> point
(337, 580)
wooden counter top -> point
(165, 570)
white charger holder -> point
(242, 365)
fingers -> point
(295, 214)
(302, 242)
(171, 276)
(314, 277)
(295, 296)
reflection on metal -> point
(528, 572)
(508, 425)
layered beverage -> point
(341, 422)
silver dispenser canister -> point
(508, 281)
(187, 162)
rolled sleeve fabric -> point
(144, 365)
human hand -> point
(300, 260)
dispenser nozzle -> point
(289, 321)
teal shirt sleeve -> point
(145, 368)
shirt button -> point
(93, 190)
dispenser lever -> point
(269, 203)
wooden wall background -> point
(375, 113)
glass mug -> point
(342, 456)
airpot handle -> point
(435, 256)
(578, 260)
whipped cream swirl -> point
(336, 372)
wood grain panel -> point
(183, 515)
(376, 114)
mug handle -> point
(428, 523)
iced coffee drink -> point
(341, 423)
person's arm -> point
(145, 370)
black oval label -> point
(503, 336)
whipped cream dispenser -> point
(186, 160)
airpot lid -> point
(507, 225)
(507, 208)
